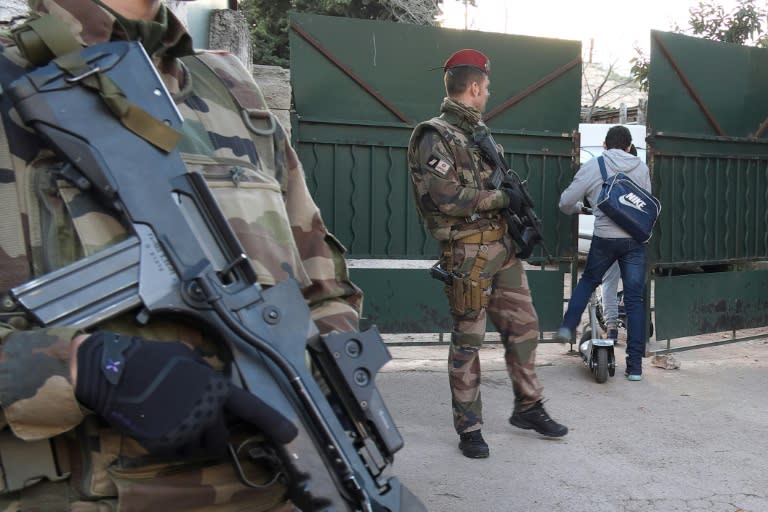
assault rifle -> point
(524, 225)
(182, 258)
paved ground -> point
(691, 439)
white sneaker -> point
(564, 335)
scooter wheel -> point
(601, 364)
(611, 363)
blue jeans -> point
(631, 257)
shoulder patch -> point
(437, 164)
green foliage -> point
(709, 20)
(640, 67)
(742, 26)
(268, 19)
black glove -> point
(165, 396)
(515, 198)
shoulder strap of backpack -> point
(240, 85)
(601, 163)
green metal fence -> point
(361, 86)
(708, 151)
(359, 89)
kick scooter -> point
(597, 353)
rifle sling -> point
(42, 38)
(45, 39)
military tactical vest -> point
(473, 172)
(238, 148)
(231, 138)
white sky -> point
(615, 25)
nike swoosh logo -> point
(624, 201)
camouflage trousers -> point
(512, 313)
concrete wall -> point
(196, 17)
(228, 30)
(275, 83)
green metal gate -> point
(359, 89)
(708, 153)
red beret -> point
(468, 57)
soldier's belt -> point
(483, 237)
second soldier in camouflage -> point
(458, 208)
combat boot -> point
(536, 418)
(473, 445)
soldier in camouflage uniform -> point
(55, 454)
(450, 184)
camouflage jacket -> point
(260, 185)
(450, 181)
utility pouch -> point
(455, 295)
(467, 295)
(476, 292)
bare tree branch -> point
(604, 86)
(419, 12)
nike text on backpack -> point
(627, 204)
